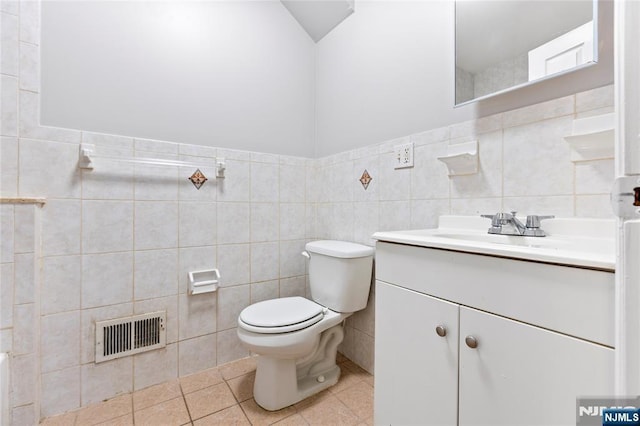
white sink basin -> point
(581, 242)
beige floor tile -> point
(313, 399)
(172, 412)
(259, 416)
(209, 400)
(294, 420)
(242, 386)
(229, 416)
(359, 399)
(156, 394)
(329, 411)
(201, 380)
(347, 379)
(99, 413)
(355, 368)
(238, 368)
(369, 380)
(61, 420)
(119, 421)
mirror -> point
(505, 44)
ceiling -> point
(319, 17)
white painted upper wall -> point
(388, 72)
(244, 75)
(231, 74)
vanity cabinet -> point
(544, 336)
(416, 369)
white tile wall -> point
(234, 222)
(9, 37)
(30, 21)
(229, 346)
(265, 261)
(524, 165)
(61, 284)
(155, 225)
(107, 226)
(103, 381)
(24, 278)
(29, 67)
(155, 273)
(8, 102)
(61, 227)
(8, 165)
(197, 315)
(62, 390)
(234, 262)
(231, 301)
(154, 367)
(60, 341)
(265, 222)
(107, 279)
(197, 354)
(6, 295)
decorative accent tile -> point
(365, 179)
(198, 179)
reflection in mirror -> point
(503, 44)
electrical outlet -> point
(403, 155)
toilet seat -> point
(281, 315)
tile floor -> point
(224, 396)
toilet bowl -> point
(297, 338)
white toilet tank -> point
(340, 274)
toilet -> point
(297, 338)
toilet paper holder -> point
(204, 281)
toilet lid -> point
(281, 315)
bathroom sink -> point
(535, 242)
(579, 242)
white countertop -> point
(588, 243)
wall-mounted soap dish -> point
(461, 158)
(592, 138)
(205, 281)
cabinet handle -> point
(441, 330)
(471, 342)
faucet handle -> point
(496, 224)
(494, 219)
(533, 221)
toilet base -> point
(283, 382)
(273, 393)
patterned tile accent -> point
(198, 179)
(365, 179)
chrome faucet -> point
(508, 224)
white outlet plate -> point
(403, 155)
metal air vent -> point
(131, 335)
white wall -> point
(227, 73)
(244, 75)
(387, 71)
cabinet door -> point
(524, 375)
(416, 371)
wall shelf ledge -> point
(461, 158)
(592, 138)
